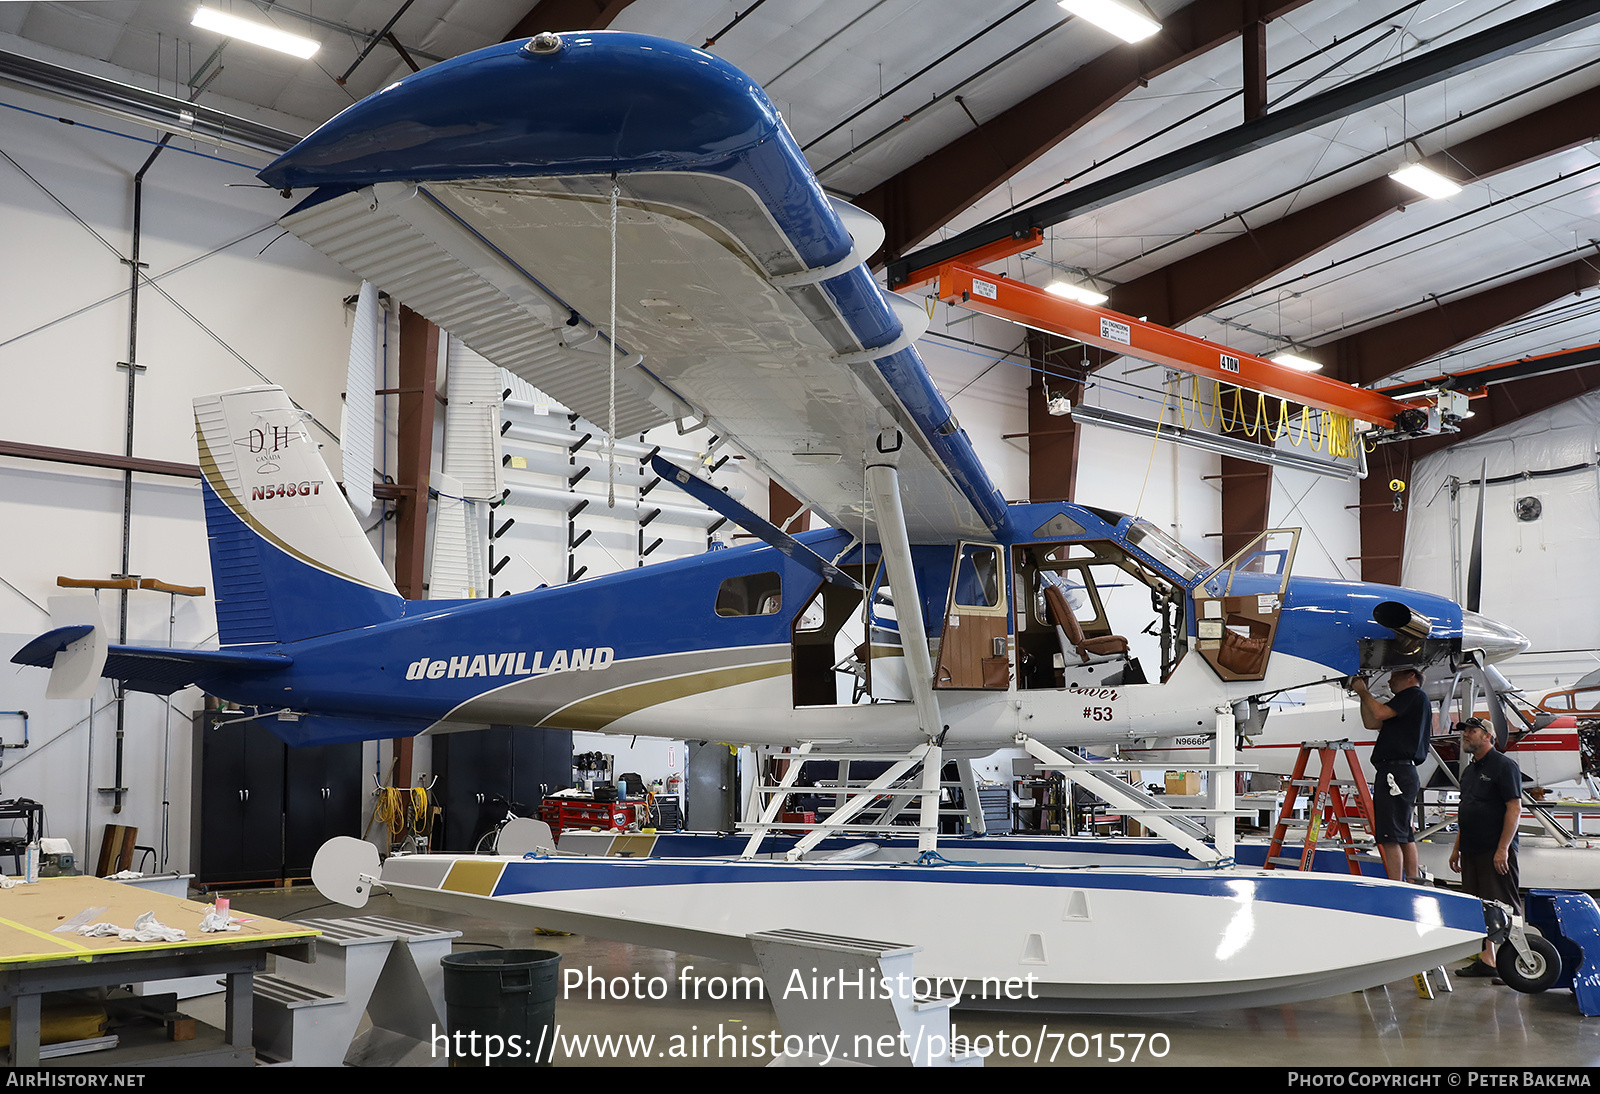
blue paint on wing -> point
(617, 102)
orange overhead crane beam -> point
(1474, 382)
(978, 256)
(1123, 334)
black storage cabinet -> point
(516, 764)
(260, 809)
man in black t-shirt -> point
(1402, 725)
(1485, 854)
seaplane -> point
(627, 223)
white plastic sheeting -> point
(357, 426)
(460, 542)
(1541, 576)
(472, 423)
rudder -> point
(288, 559)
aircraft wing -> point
(478, 192)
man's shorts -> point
(1481, 879)
(1393, 811)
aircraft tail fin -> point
(288, 559)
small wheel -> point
(1533, 976)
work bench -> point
(41, 952)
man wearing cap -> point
(1402, 725)
(1485, 854)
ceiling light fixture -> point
(1119, 19)
(1289, 360)
(1081, 293)
(1227, 446)
(258, 33)
(1425, 181)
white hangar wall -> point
(239, 304)
(66, 201)
(1541, 574)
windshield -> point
(1165, 550)
(1262, 567)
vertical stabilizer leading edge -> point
(288, 558)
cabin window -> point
(751, 594)
(813, 616)
(978, 577)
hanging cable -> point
(1155, 441)
(421, 820)
(611, 394)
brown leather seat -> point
(1061, 615)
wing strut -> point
(712, 498)
(883, 484)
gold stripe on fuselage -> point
(598, 711)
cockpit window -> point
(1146, 537)
(751, 594)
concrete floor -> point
(1477, 1024)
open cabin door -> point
(831, 662)
(973, 649)
(1237, 605)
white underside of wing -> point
(503, 263)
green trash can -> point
(500, 1007)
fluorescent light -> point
(1428, 183)
(259, 33)
(1289, 360)
(1125, 23)
(1081, 293)
(1191, 437)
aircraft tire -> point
(1529, 977)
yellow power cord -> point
(1331, 429)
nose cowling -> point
(1495, 641)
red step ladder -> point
(1334, 803)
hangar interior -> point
(1230, 178)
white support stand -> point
(969, 798)
(1174, 824)
(928, 816)
(774, 806)
(858, 800)
(1221, 797)
(861, 1026)
(307, 1014)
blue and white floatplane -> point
(626, 223)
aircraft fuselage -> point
(740, 644)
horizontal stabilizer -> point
(712, 498)
(157, 670)
(42, 650)
(76, 647)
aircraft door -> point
(830, 661)
(974, 652)
(1238, 604)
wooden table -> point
(35, 958)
